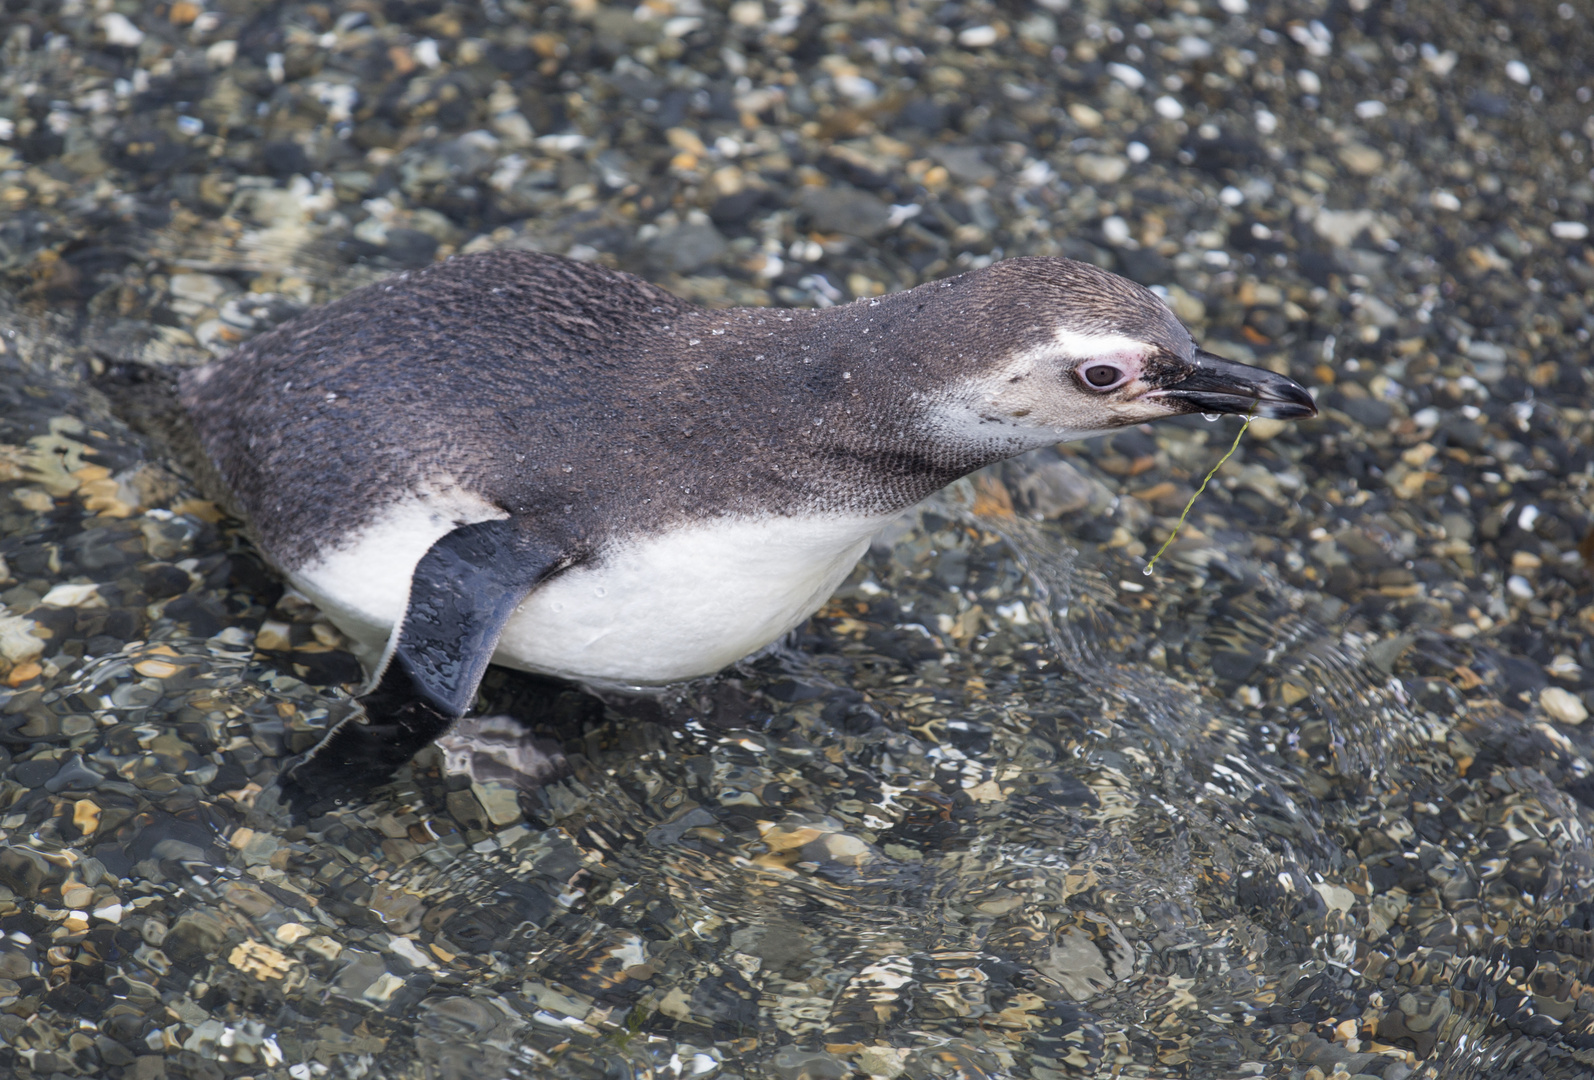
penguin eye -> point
(1100, 376)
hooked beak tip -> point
(1216, 385)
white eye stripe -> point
(1072, 343)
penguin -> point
(517, 458)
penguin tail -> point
(146, 398)
(143, 396)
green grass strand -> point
(1235, 445)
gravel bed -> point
(1312, 801)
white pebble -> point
(1562, 705)
(1129, 76)
(1527, 517)
(1308, 81)
(1518, 72)
(1116, 230)
(1266, 122)
(1569, 230)
(857, 88)
(1231, 196)
(564, 143)
(119, 30)
(1033, 174)
(1234, 7)
(1440, 63)
(1101, 168)
(1168, 107)
(74, 596)
(1138, 152)
(222, 54)
(1016, 612)
(977, 37)
(1314, 37)
(1371, 109)
(1443, 200)
(403, 946)
(1519, 587)
(1564, 666)
(902, 213)
(1194, 48)
(340, 99)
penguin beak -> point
(1216, 385)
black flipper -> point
(462, 593)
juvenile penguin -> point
(519, 459)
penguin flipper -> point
(462, 593)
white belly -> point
(660, 610)
(685, 604)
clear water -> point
(990, 814)
(1296, 805)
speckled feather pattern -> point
(565, 392)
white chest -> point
(659, 610)
(685, 604)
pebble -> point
(290, 933)
(845, 210)
(86, 816)
(686, 248)
(87, 595)
(207, 289)
(119, 30)
(273, 636)
(1361, 159)
(261, 961)
(1341, 227)
(1101, 168)
(1168, 107)
(1129, 76)
(501, 803)
(1562, 706)
(978, 37)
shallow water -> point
(1313, 800)
(962, 825)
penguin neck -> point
(873, 392)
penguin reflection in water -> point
(518, 459)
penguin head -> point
(1071, 350)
